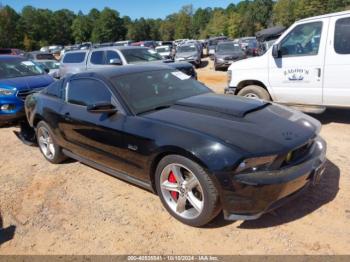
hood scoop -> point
(230, 105)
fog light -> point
(7, 107)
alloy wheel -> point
(46, 143)
(182, 191)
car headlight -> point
(255, 164)
(220, 59)
(6, 92)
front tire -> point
(186, 191)
(47, 144)
(255, 92)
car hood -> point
(27, 82)
(251, 63)
(228, 54)
(254, 126)
(186, 54)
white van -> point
(309, 65)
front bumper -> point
(15, 113)
(258, 193)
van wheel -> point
(255, 92)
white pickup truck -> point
(308, 66)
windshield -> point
(229, 47)
(50, 64)
(45, 57)
(19, 68)
(137, 55)
(147, 91)
(186, 48)
(162, 49)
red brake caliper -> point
(172, 179)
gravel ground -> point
(74, 209)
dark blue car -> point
(19, 77)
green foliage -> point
(108, 27)
(9, 35)
(35, 27)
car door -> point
(96, 59)
(112, 54)
(94, 136)
(337, 64)
(297, 76)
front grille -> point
(24, 93)
(231, 58)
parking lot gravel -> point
(74, 209)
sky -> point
(132, 8)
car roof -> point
(120, 70)
(324, 16)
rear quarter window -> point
(74, 57)
(342, 36)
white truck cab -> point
(309, 65)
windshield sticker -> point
(180, 75)
(28, 63)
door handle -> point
(318, 72)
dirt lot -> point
(73, 209)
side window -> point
(87, 91)
(111, 55)
(74, 57)
(97, 58)
(55, 89)
(302, 40)
(342, 36)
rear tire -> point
(186, 191)
(47, 144)
(255, 92)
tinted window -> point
(302, 40)
(74, 57)
(342, 36)
(158, 88)
(97, 58)
(111, 55)
(87, 91)
(55, 89)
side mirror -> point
(115, 61)
(276, 51)
(47, 70)
(102, 107)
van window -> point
(342, 36)
(87, 91)
(74, 57)
(303, 40)
(97, 58)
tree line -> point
(33, 28)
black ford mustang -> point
(162, 130)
